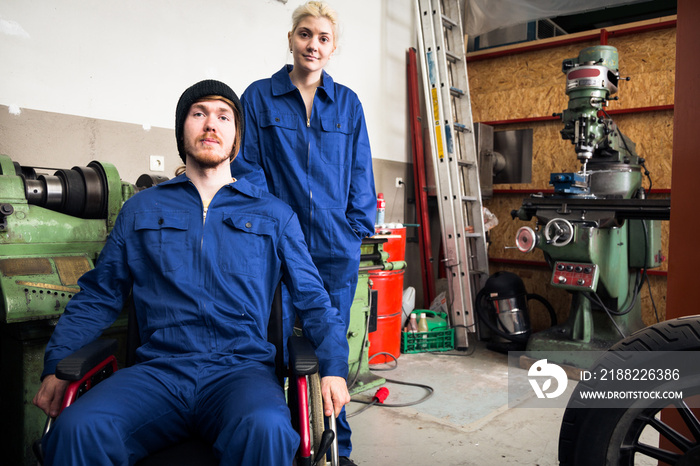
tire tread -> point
(579, 424)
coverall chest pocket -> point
(336, 139)
(247, 243)
(164, 237)
(278, 132)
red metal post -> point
(421, 193)
(682, 249)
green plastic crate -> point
(436, 320)
(423, 342)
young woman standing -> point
(309, 136)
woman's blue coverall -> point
(322, 168)
(202, 292)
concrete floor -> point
(467, 421)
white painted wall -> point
(129, 60)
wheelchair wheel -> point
(627, 436)
(316, 408)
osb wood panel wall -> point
(530, 85)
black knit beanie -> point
(208, 87)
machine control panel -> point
(575, 276)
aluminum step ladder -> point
(454, 155)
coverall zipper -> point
(210, 326)
(311, 195)
(308, 168)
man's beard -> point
(206, 158)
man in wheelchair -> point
(201, 254)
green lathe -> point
(363, 315)
(52, 227)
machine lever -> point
(5, 211)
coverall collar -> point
(241, 185)
(282, 84)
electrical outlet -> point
(157, 163)
(399, 182)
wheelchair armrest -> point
(84, 369)
(78, 364)
(302, 356)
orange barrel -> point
(396, 243)
(387, 337)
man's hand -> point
(335, 395)
(50, 395)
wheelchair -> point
(97, 361)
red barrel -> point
(396, 243)
(387, 337)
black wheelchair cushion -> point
(75, 366)
(302, 356)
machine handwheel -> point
(596, 436)
(316, 408)
(559, 232)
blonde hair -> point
(236, 118)
(317, 9)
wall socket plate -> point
(157, 163)
(399, 182)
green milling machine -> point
(599, 233)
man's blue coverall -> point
(202, 291)
(322, 168)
